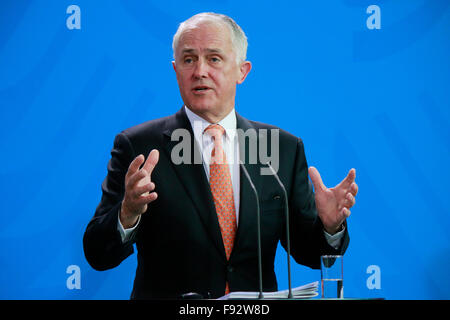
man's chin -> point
(208, 111)
(204, 111)
(200, 107)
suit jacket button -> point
(230, 269)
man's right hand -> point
(138, 189)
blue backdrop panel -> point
(373, 99)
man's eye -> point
(188, 60)
(215, 59)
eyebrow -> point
(214, 50)
(188, 51)
(209, 50)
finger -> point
(316, 179)
(349, 179)
(140, 190)
(151, 161)
(350, 200)
(147, 198)
(134, 165)
(354, 188)
(136, 177)
(345, 212)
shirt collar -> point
(199, 124)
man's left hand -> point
(333, 204)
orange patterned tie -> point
(222, 190)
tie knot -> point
(216, 131)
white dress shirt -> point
(231, 148)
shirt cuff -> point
(126, 234)
(335, 240)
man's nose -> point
(201, 69)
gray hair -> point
(238, 36)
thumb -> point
(316, 179)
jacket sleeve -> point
(308, 240)
(102, 243)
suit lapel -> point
(194, 179)
(247, 210)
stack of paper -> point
(306, 291)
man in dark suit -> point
(194, 221)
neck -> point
(211, 117)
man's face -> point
(207, 71)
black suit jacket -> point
(178, 240)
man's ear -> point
(244, 69)
(174, 66)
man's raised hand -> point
(333, 204)
(138, 188)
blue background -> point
(375, 100)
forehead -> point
(205, 35)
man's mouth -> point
(200, 89)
